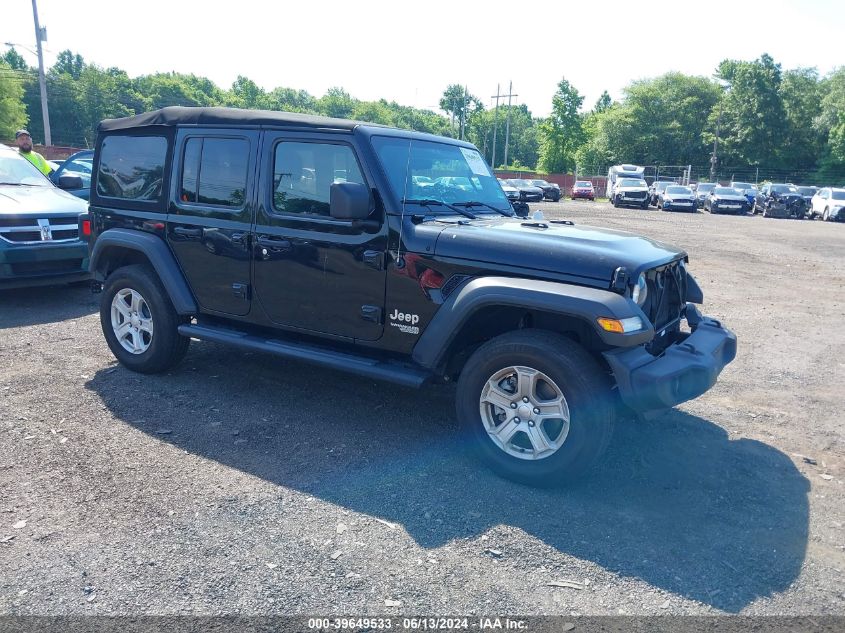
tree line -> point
(763, 115)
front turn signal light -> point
(620, 326)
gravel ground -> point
(241, 484)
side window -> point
(214, 171)
(132, 167)
(303, 174)
(77, 167)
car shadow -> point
(45, 304)
(676, 503)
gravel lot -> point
(242, 484)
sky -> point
(408, 51)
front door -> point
(210, 215)
(313, 272)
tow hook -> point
(96, 287)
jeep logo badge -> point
(46, 231)
(405, 321)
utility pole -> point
(713, 158)
(41, 35)
(465, 105)
(495, 124)
(508, 119)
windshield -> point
(539, 183)
(631, 182)
(807, 191)
(452, 174)
(837, 195)
(784, 189)
(705, 188)
(679, 190)
(583, 183)
(15, 170)
(660, 186)
(725, 191)
(742, 185)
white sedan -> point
(829, 203)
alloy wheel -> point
(524, 412)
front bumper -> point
(685, 370)
(43, 263)
(589, 195)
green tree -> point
(336, 103)
(68, 64)
(830, 124)
(459, 105)
(12, 109)
(604, 102)
(14, 60)
(801, 93)
(754, 122)
(562, 133)
(246, 93)
(290, 100)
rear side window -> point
(132, 167)
(303, 174)
(214, 171)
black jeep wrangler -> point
(330, 241)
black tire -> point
(645, 204)
(166, 346)
(584, 385)
(615, 201)
(826, 215)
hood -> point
(729, 197)
(39, 201)
(578, 251)
(639, 188)
(530, 188)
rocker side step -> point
(395, 372)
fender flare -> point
(580, 302)
(161, 258)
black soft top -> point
(179, 115)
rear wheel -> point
(139, 321)
(536, 407)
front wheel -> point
(536, 407)
(139, 321)
(826, 215)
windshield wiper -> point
(430, 202)
(476, 203)
(17, 184)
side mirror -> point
(349, 201)
(70, 182)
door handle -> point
(186, 232)
(276, 243)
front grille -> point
(38, 230)
(636, 195)
(667, 289)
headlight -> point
(669, 200)
(640, 290)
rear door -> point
(313, 272)
(210, 214)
